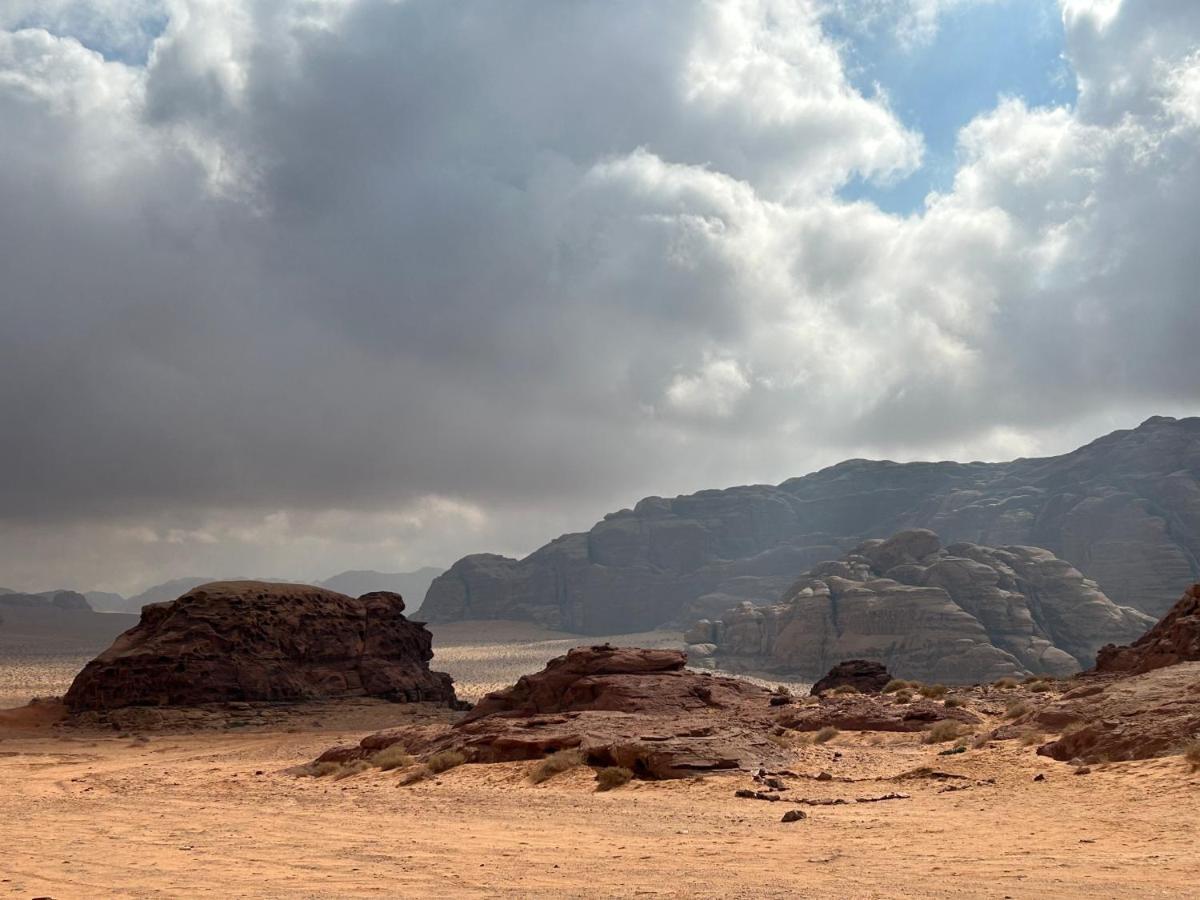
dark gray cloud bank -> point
(302, 286)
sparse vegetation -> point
(444, 760)
(941, 732)
(894, 685)
(393, 757)
(932, 691)
(903, 697)
(779, 740)
(1032, 679)
(1016, 709)
(1191, 754)
(844, 690)
(611, 777)
(556, 763)
(321, 769)
(1029, 738)
(1040, 687)
(1005, 684)
(952, 702)
(350, 769)
(983, 740)
(826, 734)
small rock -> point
(824, 776)
(1039, 777)
(794, 815)
(1083, 770)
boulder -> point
(258, 641)
(859, 712)
(1175, 639)
(1138, 717)
(964, 614)
(1123, 510)
(865, 676)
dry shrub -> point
(444, 760)
(1191, 754)
(1032, 679)
(1005, 684)
(1029, 738)
(393, 757)
(828, 733)
(952, 702)
(844, 690)
(894, 685)
(903, 697)
(943, 731)
(932, 691)
(1016, 709)
(321, 769)
(350, 769)
(1041, 687)
(612, 777)
(984, 740)
(420, 773)
(556, 763)
(779, 740)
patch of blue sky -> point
(979, 53)
(116, 38)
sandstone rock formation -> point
(864, 675)
(620, 706)
(249, 640)
(643, 710)
(1175, 639)
(1125, 510)
(1142, 716)
(961, 614)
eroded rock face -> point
(627, 707)
(1142, 716)
(961, 614)
(864, 675)
(1124, 510)
(1175, 639)
(257, 641)
(643, 710)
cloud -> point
(312, 285)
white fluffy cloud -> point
(321, 270)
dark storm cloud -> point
(345, 281)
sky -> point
(295, 286)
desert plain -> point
(216, 812)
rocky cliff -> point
(251, 640)
(963, 613)
(1124, 510)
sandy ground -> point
(215, 814)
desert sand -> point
(86, 814)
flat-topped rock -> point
(260, 641)
(864, 675)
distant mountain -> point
(56, 621)
(1124, 510)
(168, 590)
(410, 585)
(106, 601)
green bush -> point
(941, 732)
(393, 757)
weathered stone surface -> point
(871, 713)
(1142, 716)
(961, 614)
(620, 706)
(864, 675)
(1124, 510)
(1175, 639)
(249, 640)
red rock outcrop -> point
(250, 640)
(620, 706)
(1151, 714)
(864, 675)
(643, 710)
(1175, 639)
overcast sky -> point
(293, 287)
